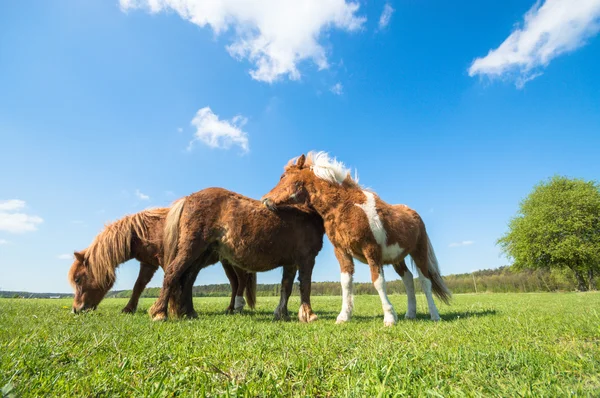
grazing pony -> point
(242, 231)
(362, 226)
(139, 236)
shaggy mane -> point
(328, 169)
(112, 246)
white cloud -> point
(337, 89)
(141, 196)
(274, 35)
(10, 205)
(386, 16)
(549, 30)
(463, 243)
(4, 242)
(65, 256)
(16, 222)
(218, 133)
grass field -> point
(487, 345)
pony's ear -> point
(300, 161)
(79, 256)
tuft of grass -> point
(486, 345)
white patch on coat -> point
(388, 253)
(389, 314)
(240, 302)
(347, 298)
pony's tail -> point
(171, 232)
(250, 291)
(437, 283)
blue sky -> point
(456, 110)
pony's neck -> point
(326, 197)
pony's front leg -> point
(305, 313)
(389, 318)
(347, 271)
(287, 283)
(146, 273)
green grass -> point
(487, 345)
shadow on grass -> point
(267, 316)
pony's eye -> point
(77, 280)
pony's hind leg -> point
(305, 313)
(287, 282)
(185, 258)
(420, 258)
(147, 271)
(242, 278)
(233, 281)
(347, 271)
(409, 286)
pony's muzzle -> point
(268, 204)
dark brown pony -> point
(362, 226)
(243, 232)
(139, 236)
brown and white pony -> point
(139, 236)
(362, 226)
(246, 234)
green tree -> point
(558, 226)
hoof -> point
(390, 319)
(410, 316)
(128, 310)
(306, 316)
(159, 317)
(436, 318)
(281, 317)
(229, 311)
(343, 317)
(192, 314)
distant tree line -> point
(500, 280)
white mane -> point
(329, 169)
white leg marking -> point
(426, 285)
(240, 302)
(347, 299)
(389, 253)
(409, 285)
(389, 318)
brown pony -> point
(362, 226)
(242, 231)
(139, 236)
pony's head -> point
(292, 186)
(297, 183)
(89, 290)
